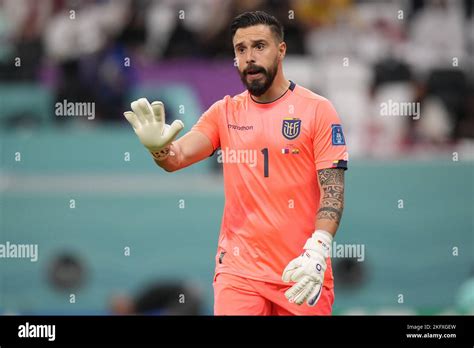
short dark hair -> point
(249, 19)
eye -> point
(241, 50)
(260, 46)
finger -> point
(289, 269)
(142, 109)
(176, 127)
(287, 273)
(313, 298)
(292, 292)
(304, 293)
(132, 119)
(158, 111)
(170, 132)
(297, 274)
(146, 109)
(138, 111)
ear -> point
(282, 50)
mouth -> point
(254, 74)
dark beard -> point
(260, 86)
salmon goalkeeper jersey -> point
(271, 153)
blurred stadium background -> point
(88, 194)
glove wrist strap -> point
(320, 239)
(162, 154)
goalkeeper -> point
(280, 215)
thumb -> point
(289, 270)
(173, 130)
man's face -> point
(257, 53)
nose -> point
(249, 57)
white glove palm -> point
(308, 270)
(148, 122)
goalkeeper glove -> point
(148, 122)
(308, 269)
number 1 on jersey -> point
(265, 162)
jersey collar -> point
(273, 102)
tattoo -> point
(332, 186)
(330, 213)
(331, 176)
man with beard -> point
(281, 211)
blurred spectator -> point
(22, 23)
(183, 28)
(426, 51)
(450, 88)
(356, 53)
(92, 67)
(160, 298)
(67, 272)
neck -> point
(277, 89)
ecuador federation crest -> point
(291, 128)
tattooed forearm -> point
(332, 187)
(330, 213)
(331, 176)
